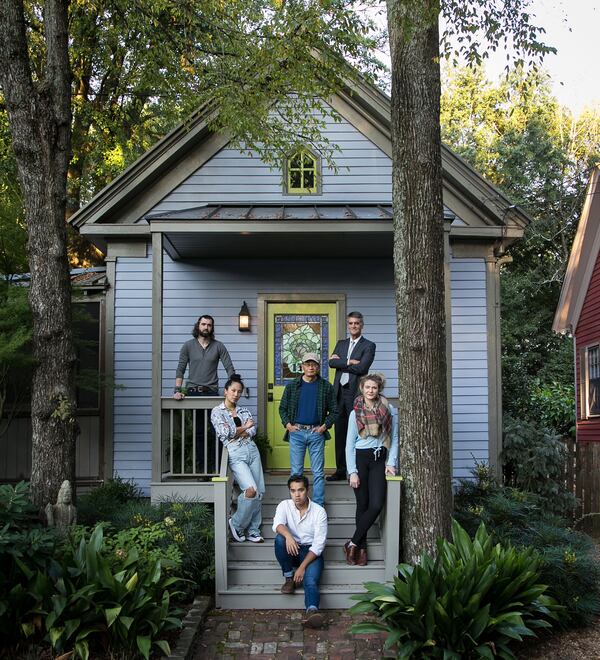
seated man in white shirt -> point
(301, 528)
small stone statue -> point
(63, 514)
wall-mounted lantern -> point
(244, 318)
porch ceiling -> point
(277, 230)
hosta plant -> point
(472, 601)
(125, 610)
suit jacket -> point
(363, 351)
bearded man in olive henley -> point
(202, 354)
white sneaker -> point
(255, 538)
(240, 538)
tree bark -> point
(419, 275)
(40, 123)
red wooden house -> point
(578, 312)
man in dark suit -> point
(351, 359)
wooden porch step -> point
(268, 596)
(338, 508)
(264, 551)
(276, 488)
(335, 572)
(337, 528)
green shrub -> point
(95, 607)
(23, 554)
(25, 548)
(534, 460)
(569, 564)
(182, 529)
(555, 406)
(152, 542)
(191, 529)
(103, 502)
(472, 601)
(16, 509)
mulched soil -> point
(577, 644)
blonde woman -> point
(371, 454)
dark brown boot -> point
(361, 559)
(350, 552)
(288, 587)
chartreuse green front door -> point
(292, 331)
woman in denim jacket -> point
(235, 428)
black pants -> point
(345, 404)
(370, 495)
(213, 450)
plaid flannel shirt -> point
(326, 404)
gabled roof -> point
(582, 260)
(180, 153)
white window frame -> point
(590, 371)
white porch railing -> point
(390, 527)
(223, 494)
(189, 446)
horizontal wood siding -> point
(587, 333)
(133, 370)
(470, 424)
(364, 175)
(219, 287)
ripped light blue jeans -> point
(244, 461)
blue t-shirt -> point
(307, 403)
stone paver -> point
(270, 634)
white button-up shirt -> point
(309, 528)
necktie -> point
(346, 376)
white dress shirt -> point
(345, 378)
(309, 528)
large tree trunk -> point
(40, 123)
(419, 274)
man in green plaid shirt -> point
(307, 411)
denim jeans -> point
(312, 575)
(244, 460)
(300, 441)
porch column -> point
(492, 265)
(157, 316)
(448, 302)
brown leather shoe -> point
(288, 587)
(350, 552)
(361, 558)
(314, 619)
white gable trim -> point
(584, 253)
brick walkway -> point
(269, 634)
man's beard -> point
(206, 333)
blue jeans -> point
(312, 575)
(244, 461)
(300, 441)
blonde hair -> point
(376, 378)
